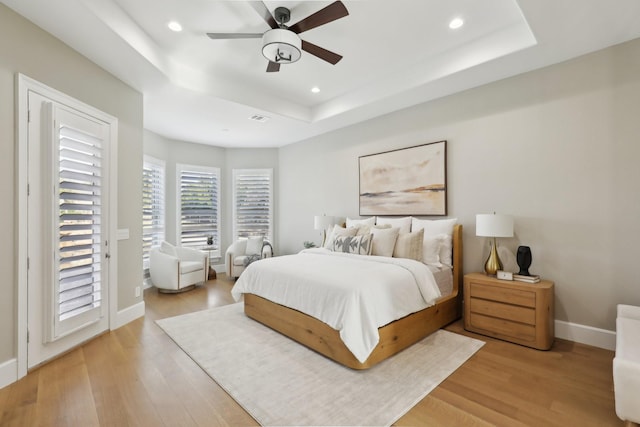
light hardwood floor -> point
(137, 376)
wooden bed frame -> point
(394, 337)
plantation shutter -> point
(199, 197)
(153, 207)
(253, 203)
(78, 204)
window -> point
(253, 203)
(198, 191)
(153, 205)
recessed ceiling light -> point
(456, 23)
(315, 89)
(174, 26)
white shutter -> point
(253, 203)
(78, 220)
(153, 207)
(199, 207)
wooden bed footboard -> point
(394, 337)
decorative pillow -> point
(404, 223)
(358, 222)
(431, 249)
(254, 245)
(360, 245)
(384, 240)
(362, 230)
(336, 232)
(167, 248)
(409, 245)
(433, 228)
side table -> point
(513, 311)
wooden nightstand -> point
(513, 311)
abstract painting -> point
(408, 181)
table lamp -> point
(322, 222)
(494, 225)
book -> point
(528, 279)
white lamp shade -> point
(322, 222)
(281, 46)
(494, 225)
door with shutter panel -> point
(67, 228)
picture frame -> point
(406, 181)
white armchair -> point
(177, 269)
(239, 254)
(626, 364)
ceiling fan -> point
(281, 44)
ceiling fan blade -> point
(221, 36)
(263, 11)
(335, 10)
(321, 53)
(273, 67)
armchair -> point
(177, 269)
(241, 253)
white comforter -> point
(354, 294)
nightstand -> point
(513, 311)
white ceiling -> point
(396, 54)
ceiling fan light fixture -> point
(281, 46)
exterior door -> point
(67, 205)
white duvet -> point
(354, 294)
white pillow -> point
(254, 245)
(384, 240)
(360, 245)
(167, 248)
(338, 231)
(409, 245)
(404, 223)
(431, 249)
(358, 222)
(433, 228)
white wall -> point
(25, 48)
(557, 148)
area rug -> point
(280, 382)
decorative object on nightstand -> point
(523, 257)
(518, 312)
(494, 225)
(308, 244)
(504, 275)
(322, 222)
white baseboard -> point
(8, 372)
(586, 335)
(128, 314)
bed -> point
(393, 337)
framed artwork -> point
(408, 181)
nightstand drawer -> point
(510, 296)
(503, 328)
(503, 311)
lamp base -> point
(493, 263)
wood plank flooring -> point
(137, 376)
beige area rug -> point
(280, 382)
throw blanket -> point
(354, 294)
(251, 258)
